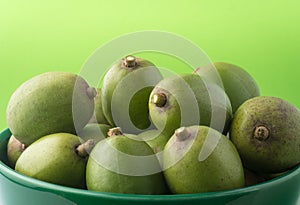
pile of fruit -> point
(143, 133)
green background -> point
(261, 36)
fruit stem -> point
(261, 133)
(130, 61)
(182, 133)
(22, 147)
(159, 99)
(91, 92)
(114, 131)
(85, 148)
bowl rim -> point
(40, 185)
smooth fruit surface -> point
(49, 103)
(238, 83)
(186, 100)
(187, 172)
(125, 93)
(121, 164)
(265, 131)
(53, 159)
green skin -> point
(221, 170)
(101, 179)
(117, 83)
(97, 132)
(14, 150)
(53, 159)
(49, 103)
(155, 139)
(98, 116)
(192, 92)
(237, 83)
(280, 151)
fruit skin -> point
(120, 174)
(49, 103)
(195, 98)
(125, 94)
(98, 116)
(14, 150)
(97, 132)
(53, 159)
(155, 139)
(237, 82)
(185, 173)
(281, 149)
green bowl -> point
(18, 189)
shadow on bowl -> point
(17, 189)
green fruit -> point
(57, 158)
(14, 150)
(155, 139)
(98, 116)
(188, 168)
(265, 131)
(187, 100)
(49, 103)
(125, 93)
(122, 164)
(237, 82)
(96, 132)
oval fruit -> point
(265, 130)
(49, 103)
(187, 172)
(125, 93)
(123, 164)
(186, 100)
(57, 158)
(236, 81)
